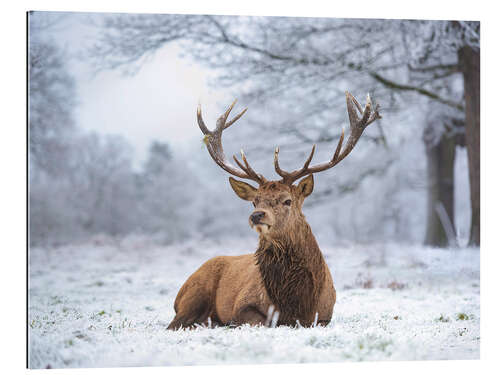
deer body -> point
(287, 277)
(287, 272)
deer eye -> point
(288, 202)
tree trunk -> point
(440, 230)
(469, 63)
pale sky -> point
(158, 103)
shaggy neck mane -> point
(292, 269)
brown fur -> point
(293, 274)
(287, 271)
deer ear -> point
(306, 186)
(242, 189)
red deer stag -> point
(287, 274)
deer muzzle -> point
(256, 217)
(260, 221)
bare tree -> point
(469, 57)
(83, 184)
(450, 49)
(294, 77)
(51, 102)
(51, 99)
(102, 185)
(167, 207)
(298, 69)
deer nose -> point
(257, 216)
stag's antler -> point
(357, 126)
(213, 140)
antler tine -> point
(324, 166)
(375, 115)
(235, 119)
(277, 168)
(201, 123)
(238, 162)
(352, 105)
(367, 111)
(247, 168)
(339, 147)
(358, 106)
(213, 141)
(308, 160)
(221, 121)
(293, 175)
(357, 126)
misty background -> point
(115, 151)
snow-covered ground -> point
(109, 304)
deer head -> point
(278, 204)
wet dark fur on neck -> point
(292, 269)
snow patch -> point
(110, 305)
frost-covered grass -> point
(109, 304)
